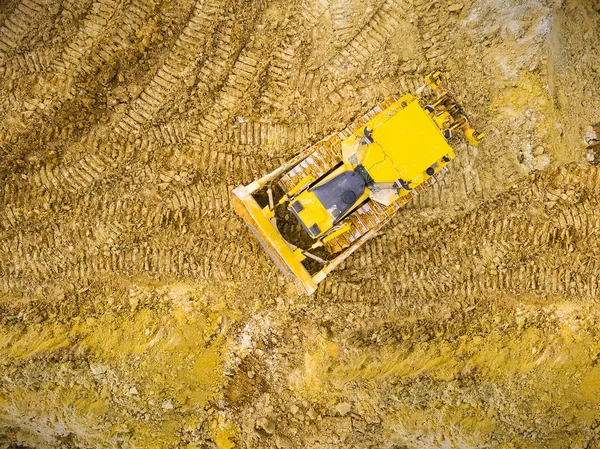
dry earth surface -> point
(136, 311)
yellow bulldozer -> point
(313, 212)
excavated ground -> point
(136, 311)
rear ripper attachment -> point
(345, 188)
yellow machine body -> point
(406, 141)
(346, 187)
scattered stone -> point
(294, 409)
(132, 391)
(283, 442)
(121, 94)
(167, 405)
(97, 369)
(312, 414)
(266, 425)
(542, 161)
(106, 75)
(590, 157)
(134, 91)
(455, 7)
(343, 408)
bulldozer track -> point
(235, 152)
(16, 26)
(35, 61)
(341, 18)
(180, 61)
(368, 40)
(555, 258)
(372, 214)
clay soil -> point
(137, 311)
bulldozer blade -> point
(271, 240)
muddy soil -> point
(136, 311)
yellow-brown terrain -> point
(136, 310)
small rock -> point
(343, 408)
(493, 30)
(190, 81)
(97, 369)
(283, 442)
(106, 75)
(455, 7)
(294, 409)
(312, 414)
(120, 93)
(134, 91)
(265, 424)
(167, 405)
(132, 391)
(538, 151)
(542, 161)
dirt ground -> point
(136, 311)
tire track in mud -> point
(331, 82)
(493, 166)
(180, 61)
(186, 49)
(323, 83)
(174, 243)
(166, 255)
(223, 153)
(107, 29)
(541, 239)
(371, 38)
(78, 175)
(341, 18)
(67, 64)
(7, 8)
(192, 210)
(234, 163)
(284, 62)
(38, 58)
(19, 23)
(35, 61)
(182, 214)
(435, 23)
